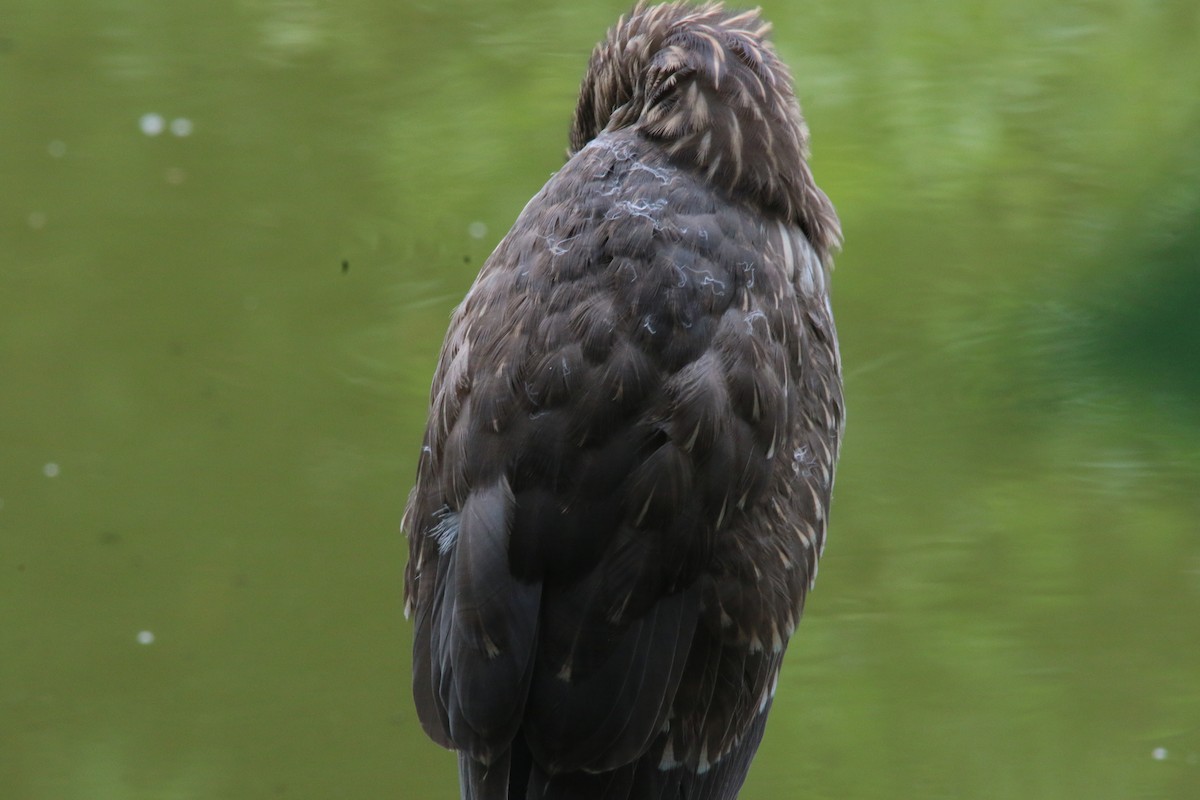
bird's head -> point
(704, 83)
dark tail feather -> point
(580, 785)
(484, 781)
(508, 775)
(515, 776)
(723, 780)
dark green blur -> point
(215, 350)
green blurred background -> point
(231, 234)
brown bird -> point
(634, 422)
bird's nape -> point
(706, 85)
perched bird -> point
(634, 421)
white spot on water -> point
(181, 126)
(145, 637)
(152, 124)
(50, 469)
(1159, 754)
(57, 148)
(477, 230)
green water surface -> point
(231, 234)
